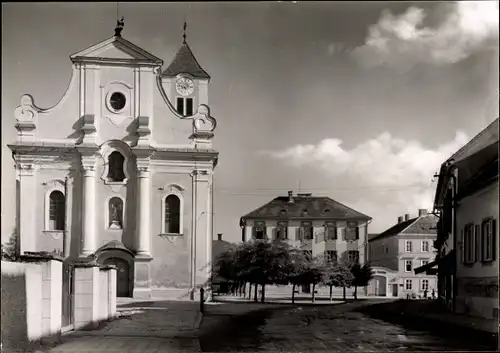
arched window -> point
(115, 167)
(115, 212)
(56, 210)
(172, 214)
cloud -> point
(402, 41)
(383, 177)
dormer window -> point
(185, 106)
(283, 213)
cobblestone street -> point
(316, 328)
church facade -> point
(120, 170)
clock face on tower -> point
(184, 86)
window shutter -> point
(254, 232)
(297, 233)
(493, 239)
(477, 243)
(462, 250)
(357, 233)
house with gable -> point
(121, 169)
(396, 252)
(466, 200)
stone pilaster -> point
(143, 223)
(26, 176)
(88, 207)
(142, 272)
(201, 246)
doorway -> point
(395, 290)
(122, 276)
(380, 285)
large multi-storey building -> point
(396, 252)
(317, 225)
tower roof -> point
(185, 62)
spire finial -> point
(184, 34)
(119, 27)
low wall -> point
(21, 318)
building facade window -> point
(282, 230)
(408, 265)
(408, 284)
(331, 231)
(425, 246)
(488, 235)
(408, 246)
(306, 230)
(260, 230)
(425, 262)
(172, 215)
(185, 106)
(57, 205)
(331, 256)
(468, 244)
(353, 256)
(425, 284)
(351, 231)
(116, 162)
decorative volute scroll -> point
(26, 115)
(203, 128)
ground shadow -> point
(411, 315)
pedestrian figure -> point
(408, 296)
(425, 294)
(433, 294)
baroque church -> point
(120, 170)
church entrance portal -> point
(122, 276)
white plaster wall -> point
(21, 319)
(59, 121)
(474, 209)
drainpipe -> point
(451, 174)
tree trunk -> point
(343, 293)
(355, 292)
(293, 294)
(250, 290)
(244, 289)
(314, 292)
(263, 294)
(255, 289)
(331, 293)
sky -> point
(358, 101)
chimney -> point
(422, 212)
(290, 197)
(407, 217)
(219, 236)
(400, 219)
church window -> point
(115, 167)
(56, 210)
(117, 101)
(172, 215)
(185, 106)
(115, 213)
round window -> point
(117, 101)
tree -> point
(337, 275)
(10, 250)
(296, 266)
(362, 275)
(312, 273)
